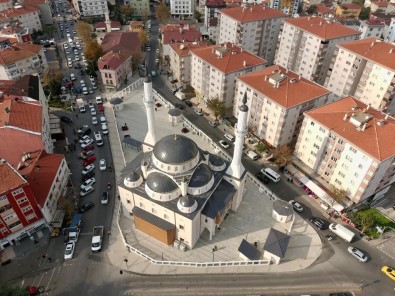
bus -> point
(272, 175)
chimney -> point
(266, 77)
(364, 126)
(345, 116)
(386, 116)
(367, 108)
(300, 77)
(245, 63)
(144, 167)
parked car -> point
(100, 107)
(102, 165)
(85, 154)
(87, 143)
(358, 254)
(87, 176)
(88, 148)
(104, 128)
(261, 177)
(93, 111)
(84, 130)
(104, 198)
(86, 191)
(297, 206)
(188, 103)
(88, 169)
(198, 111)
(89, 160)
(153, 73)
(69, 251)
(85, 90)
(84, 138)
(213, 123)
(78, 89)
(86, 207)
(66, 119)
(82, 83)
(389, 271)
(230, 137)
(317, 222)
(224, 144)
(179, 106)
(94, 120)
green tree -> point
(197, 15)
(143, 37)
(338, 194)
(67, 205)
(52, 81)
(312, 9)
(145, 15)
(49, 30)
(13, 291)
(162, 13)
(91, 68)
(127, 11)
(365, 13)
(217, 106)
(261, 148)
(283, 155)
(135, 61)
(367, 221)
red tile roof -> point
(126, 42)
(374, 21)
(25, 115)
(291, 91)
(183, 49)
(374, 50)
(43, 175)
(322, 9)
(16, 12)
(179, 33)
(381, 3)
(252, 13)
(321, 28)
(114, 24)
(19, 51)
(10, 179)
(112, 60)
(351, 6)
(377, 141)
(232, 59)
(21, 142)
(215, 3)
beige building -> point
(364, 69)
(180, 59)
(45, 10)
(215, 68)
(348, 144)
(5, 4)
(140, 7)
(254, 28)
(277, 100)
(114, 68)
(373, 27)
(21, 59)
(90, 8)
(27, 16)
(306, 45)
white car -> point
(72, 76)
(94, 120)
(88, 169)
(87, 183)
(85, 90)
(88, 189)
(198, 111)
(103, 119)
(69, 251)
(93, 111)
(103, 165)
(84, 138)
(224, 144)
(86, 143)
(358, 254)
(104, 198)
(104, 128)
(297, 206)
(230, 137)
(82, 83)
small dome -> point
(160, 183)
(116, 101)
(175, 149)
(216, 163)
(175, 112)
(283, 208)
(133, 177)
(133, 180)
(187, 204)
(201, 176)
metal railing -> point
(128, 89)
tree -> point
(217, 106)
(127, 11)
(93, 51)
(135, 61)
(83, 30)
(91, 68)
(283, 155)
(365, 13)
(13, 291)
(338, 194)
(162, 13)
(367, 221)
(145, 15)
(49, 30)
(143, 37)
(197, 15)
(67, 205)
(312, 9)
(52, 81)
(260, 148)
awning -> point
(321, 194)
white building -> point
(27, 16)
(90, 8)
(211, 17)
(348, 145)
(21, 59)
(140, 7)
(45, 10)
(389, 32)
(182, 7)
(371, 28)
(364, 69)
(215, 68)
(289, 7)
(254, 28)
(175, 191)
(277, 100)
(306, 45)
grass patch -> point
(379, 220)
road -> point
(92, 274)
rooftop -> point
(10, 178)
(26, 86)
(25, 115)
(374, 50)
(19, 51)
(183, 49)
(378, 129)
(17, 11)
(112, 60)
(252, 13)
(321, 28)
(228, 58)
(292, 89)
(127, 42)
(114, 24)
(374, 21)
(215, 3)
(350, 6)
(179, 33)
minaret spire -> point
(236, 168)
(149, 103)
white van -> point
(272, 175)
(99, 100)
(99, 139)
(252, 154)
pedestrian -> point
(49, 259)
(76, 115)
(156, 109)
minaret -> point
(150, 138)
(236, 168)
(107, 22)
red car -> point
(89, 160)
(88, 148)
(100, 107)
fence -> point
(128, 89)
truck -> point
(342, 231)
(81, 105)
(73, 231)
(97, 238)
(180, 95)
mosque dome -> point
(175, 149)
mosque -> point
(174, 190)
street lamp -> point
(214, 250)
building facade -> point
(182, 7)
(255, 28)
(373, 27)
(140, 7)
(349, 10)
(364, 69)
(277, 100)
(5, 4)
(179, 33)
(215, 68)
(346, 143)
(114, 69)
(27, 16)
(389, 32)
(44, 7)
(211, 17)
(289, 7)
(90, 8)
(306, 45)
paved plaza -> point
(251, 222)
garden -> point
(369, 221)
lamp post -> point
(214, 250)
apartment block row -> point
(90, 8)
(33, 179)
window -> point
(181, 226)
(2, 198)
(21, 200)
(25, 209)
(353, 149)
(16, 192)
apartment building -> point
(254, 28)
(277, 100)
(215, 68)
(178, 33)
(27, 16)
(348, 144)
(348, 10)
(211, 17)
(44, 7)
(90, 8)
(289, 7)
(373, 27)
(180, 59)
(140, 7)
(21, 59)
(182, 7)
(389, 32)
(5, 4)
(364, 69)
(16, 32)
(306, 45)
(114, 68)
